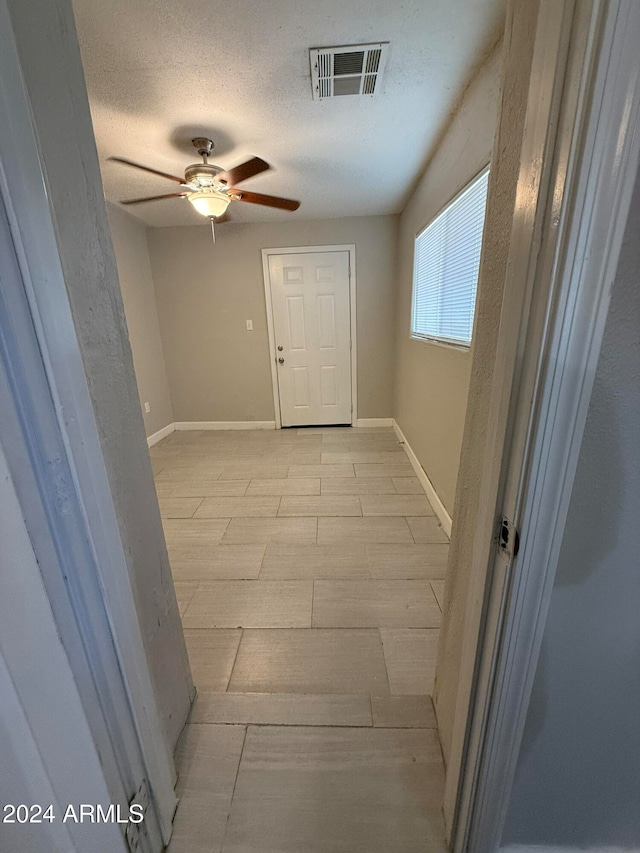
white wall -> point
(54, 79)
(432, 380)
(48, 752)
(578, 777)
(134, 272)
(220, 372)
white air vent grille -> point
(351, 70)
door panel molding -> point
(297, 250)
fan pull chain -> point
(213, 231)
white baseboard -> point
(438, 507)
(374, 422)
(158, 436)
(204, 425)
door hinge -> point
(508, 537)
(350, 345)
(141, 802)
(349, 272)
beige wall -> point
(54, 78)
(134, 271)
(432, 380)
(220, 372)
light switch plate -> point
(249, 325)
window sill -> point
(438, 343)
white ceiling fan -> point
(210, 188)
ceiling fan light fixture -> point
(209, 203)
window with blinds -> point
(446, 265)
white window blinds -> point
(446, 265)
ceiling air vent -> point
(350, 70)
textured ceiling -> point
(160, 72)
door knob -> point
(281, 360)
(280, 349)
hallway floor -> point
(309, 569)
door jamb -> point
(48, 337)
(600, 181)
(303, 250)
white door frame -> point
(573, 261)
(302, 250)
(53, 448)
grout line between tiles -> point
(235, 659)
(198, 507)
(190, 599)
(386, 670)
(233, 792)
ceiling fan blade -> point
(153, 198)
(245, 170)
(126, 162)
(266, 200)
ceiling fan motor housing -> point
(202, 174)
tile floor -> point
(309, 570)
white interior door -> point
(312, 330)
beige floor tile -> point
(425, 530)
(408, 486)
(184, 593)
(164, 490)
(254, 471)
(314, 561)
(338, 434)
(357, 486)
(244, 458)
(172, 507)
(263, 530)
(363, 530)
(192, 531)
(168, 451)
(340, 444)
(247, 507)
(298, 457)
(310, 661)
(287, 486)
(438, 590)
(210, 487)
(175, 464)
(378, 456)
(414, 505)
(327, 505)
(408, 561)
(211, 655)
(320, 471)
(377, 469)
(250, 604)
(358, 431)
(410, 655)
(403, 712)
(322, 790)
(205, 794)
(372, 604)
(286, 709)
(157, 465)
(202, 561)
